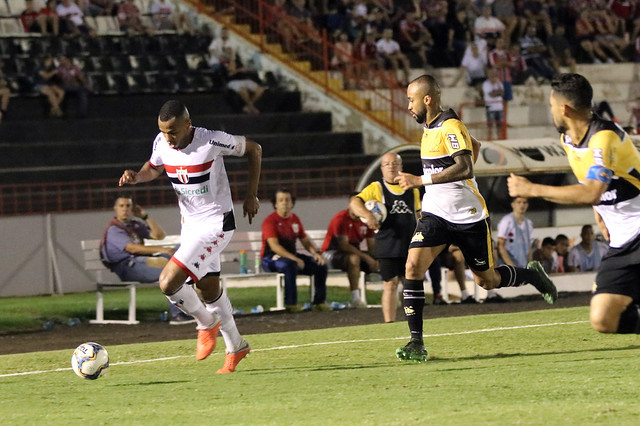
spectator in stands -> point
(166, 16)
(5, 93)
(584, 33)
(460, 35)
(473, 67)
(505, 11)
(414, 37)
(280, 232)
(342, 59)
(89, 8)
(130, 19)
(501, 61)
(634, 114)
(433, 15)
(394, 234)
(536, 55)
(74, 84)
(369, 61)
(534, 13)
(341, 250)
(562, 252)
(515, 238)
(49, 83)
(306, 31)
(72, 20)
(53, 20)
(219, 50)
(33, 21)
(377, 22)
(488, 27)
(606, 33)
(493, 92)
(243, 82)
(547, 256)
(518, 70)
(560, 49)
(106, 7)
(123, 251)
(586, 255)
(389, 51)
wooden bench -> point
(93, 264)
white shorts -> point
(200, 246)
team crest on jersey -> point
(295, 227)
(399, 207)
(363, 230)
(183, 174)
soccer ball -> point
(378, 209)
(90, 360)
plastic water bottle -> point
(242, 260)
(256, 264)
(257, 309)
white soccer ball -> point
(90, 360)
(378, 209)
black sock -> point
(413, 303)
(630, 320)
(511, 276)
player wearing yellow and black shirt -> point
(607, 167)
(453, 212)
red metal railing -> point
(19, 199)
(378, 94)
(481, 129)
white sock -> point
(491, 293)
(464, 294)
(187, 300)
(355, 295)
(230, 333)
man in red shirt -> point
(341, 250)
(280, 231)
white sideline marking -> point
(278, 348)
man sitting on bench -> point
(123, 251)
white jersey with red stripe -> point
(197, 172)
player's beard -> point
(421, 116)
(561, 128)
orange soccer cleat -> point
(232, 359)
(207, 340)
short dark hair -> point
(561, 237)
(428, 84)
(172, 109)
(284, 190)
(123, 194)
(548, 241)
(575, 88)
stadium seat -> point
(139, 64)
(156, 63)
(176, 63)
(99, 83)
(118, 83)
(120, 64)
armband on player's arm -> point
(600, 174)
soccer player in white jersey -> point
(607, 167)
(193, 159)
(453, 212)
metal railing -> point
(55, 197)
(373, 92)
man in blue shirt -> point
(123, 251)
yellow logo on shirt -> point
(409, 311)
(417, 237)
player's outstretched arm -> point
(145, 174)
(357, 207)
(461, 170)
(588, 192)
(253, 152)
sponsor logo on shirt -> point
(453, 140)
(432, 170)
(399, 207)
(221, 145)
(196, 191)
(417, 237)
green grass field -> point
(542, 367)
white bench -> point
(92, 263)
(251, 243)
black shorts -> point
(619, 271)
(474, 239)
(392, 267)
